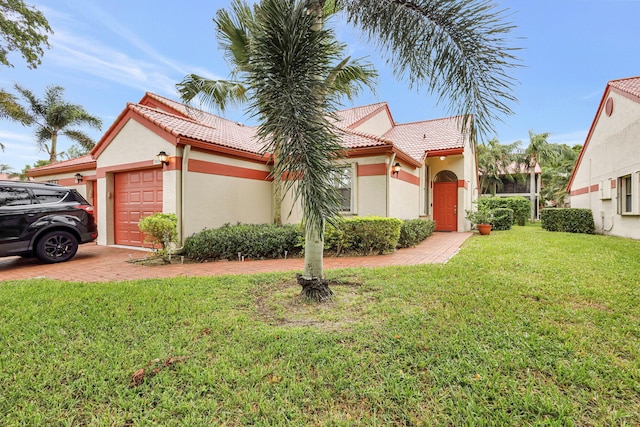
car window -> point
(12, 196)
(49, 195)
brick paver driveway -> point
(95, 263)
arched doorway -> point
(445, 201)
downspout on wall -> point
(388, 183)
(183, 185)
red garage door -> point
(137, 194)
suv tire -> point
(56, 246)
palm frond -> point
(212, 93)
(456, 49)
(81, 138)
(292, 103)
(233, 33)
(350, 77)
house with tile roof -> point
(515, 181)
(216, 172)
(606, 178)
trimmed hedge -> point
(257, 241)
(521, 207)
(414, 231)
(364, 236)
(502, 219)
(570, 220)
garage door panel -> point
(149, 196)
(138, 194)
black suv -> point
(45, 220)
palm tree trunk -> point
(532, 191)
(53, 153)
(314, 286)
(277, 201)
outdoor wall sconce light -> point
(163, 158)
(443, 157)
(396, 169)
(78, 178)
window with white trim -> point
(628, 197)
(344, 183)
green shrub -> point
(571, 220)
(256, 241)
(414, 231)
(160, 229)
(364, 236)
(521, 206)
(502, 219)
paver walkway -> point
(95, 263)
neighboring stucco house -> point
(215, 172)
(606, 178)
(519, 185)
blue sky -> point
(106, 54)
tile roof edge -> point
(458, 117)
(367, 135)
(88, 160)
(164, 99)
(166, 113)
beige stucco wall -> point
(212, 200)
(134, 147)
(404, 197)
(377, 124)
(134, 143)
(368, 193)
(68, 179)
(613, 151)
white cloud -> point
(570, 138)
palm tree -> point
(453, 48)
(10, 109)
(540, 150)
(52, 117)
(494, 160)
(556, 175)
(346, 78)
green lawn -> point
(522, 327)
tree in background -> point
(556, 175)
(52, 117)
(23, 29)
(454, 49)
(11, 109)
(539, 151)
(22, 175)
(494, 160)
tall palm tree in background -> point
(455, 49)
(52, 117)
(494, 160)
(540, 150)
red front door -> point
(445, 206)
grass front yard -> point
(522, 327)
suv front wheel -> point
(56, 246)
